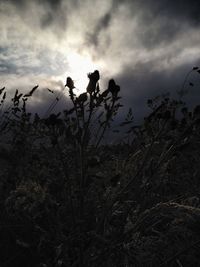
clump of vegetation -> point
(67, 199)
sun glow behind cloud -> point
(79, 66)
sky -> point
(147, 46)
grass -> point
(67, 199)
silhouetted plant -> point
(67, 199)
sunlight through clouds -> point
(132, 41)
(79, 67)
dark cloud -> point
(92, 37)
(54, 4)
(182, 10)
(164, 20)
(158, 32)
(161, 21)
(140, 84)
(54, 14)
(54, 19)
(47, 20)
(19, 3)
(102, 24)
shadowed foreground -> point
(67, 199)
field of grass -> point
(67, 199)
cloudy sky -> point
(147, 46)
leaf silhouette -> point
(70, 83)
(51, 91)
(4, 95)
(1, 90)
(113, 87)
(32, 91)
(82, 97)
(93, 77)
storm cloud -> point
(147, 46)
